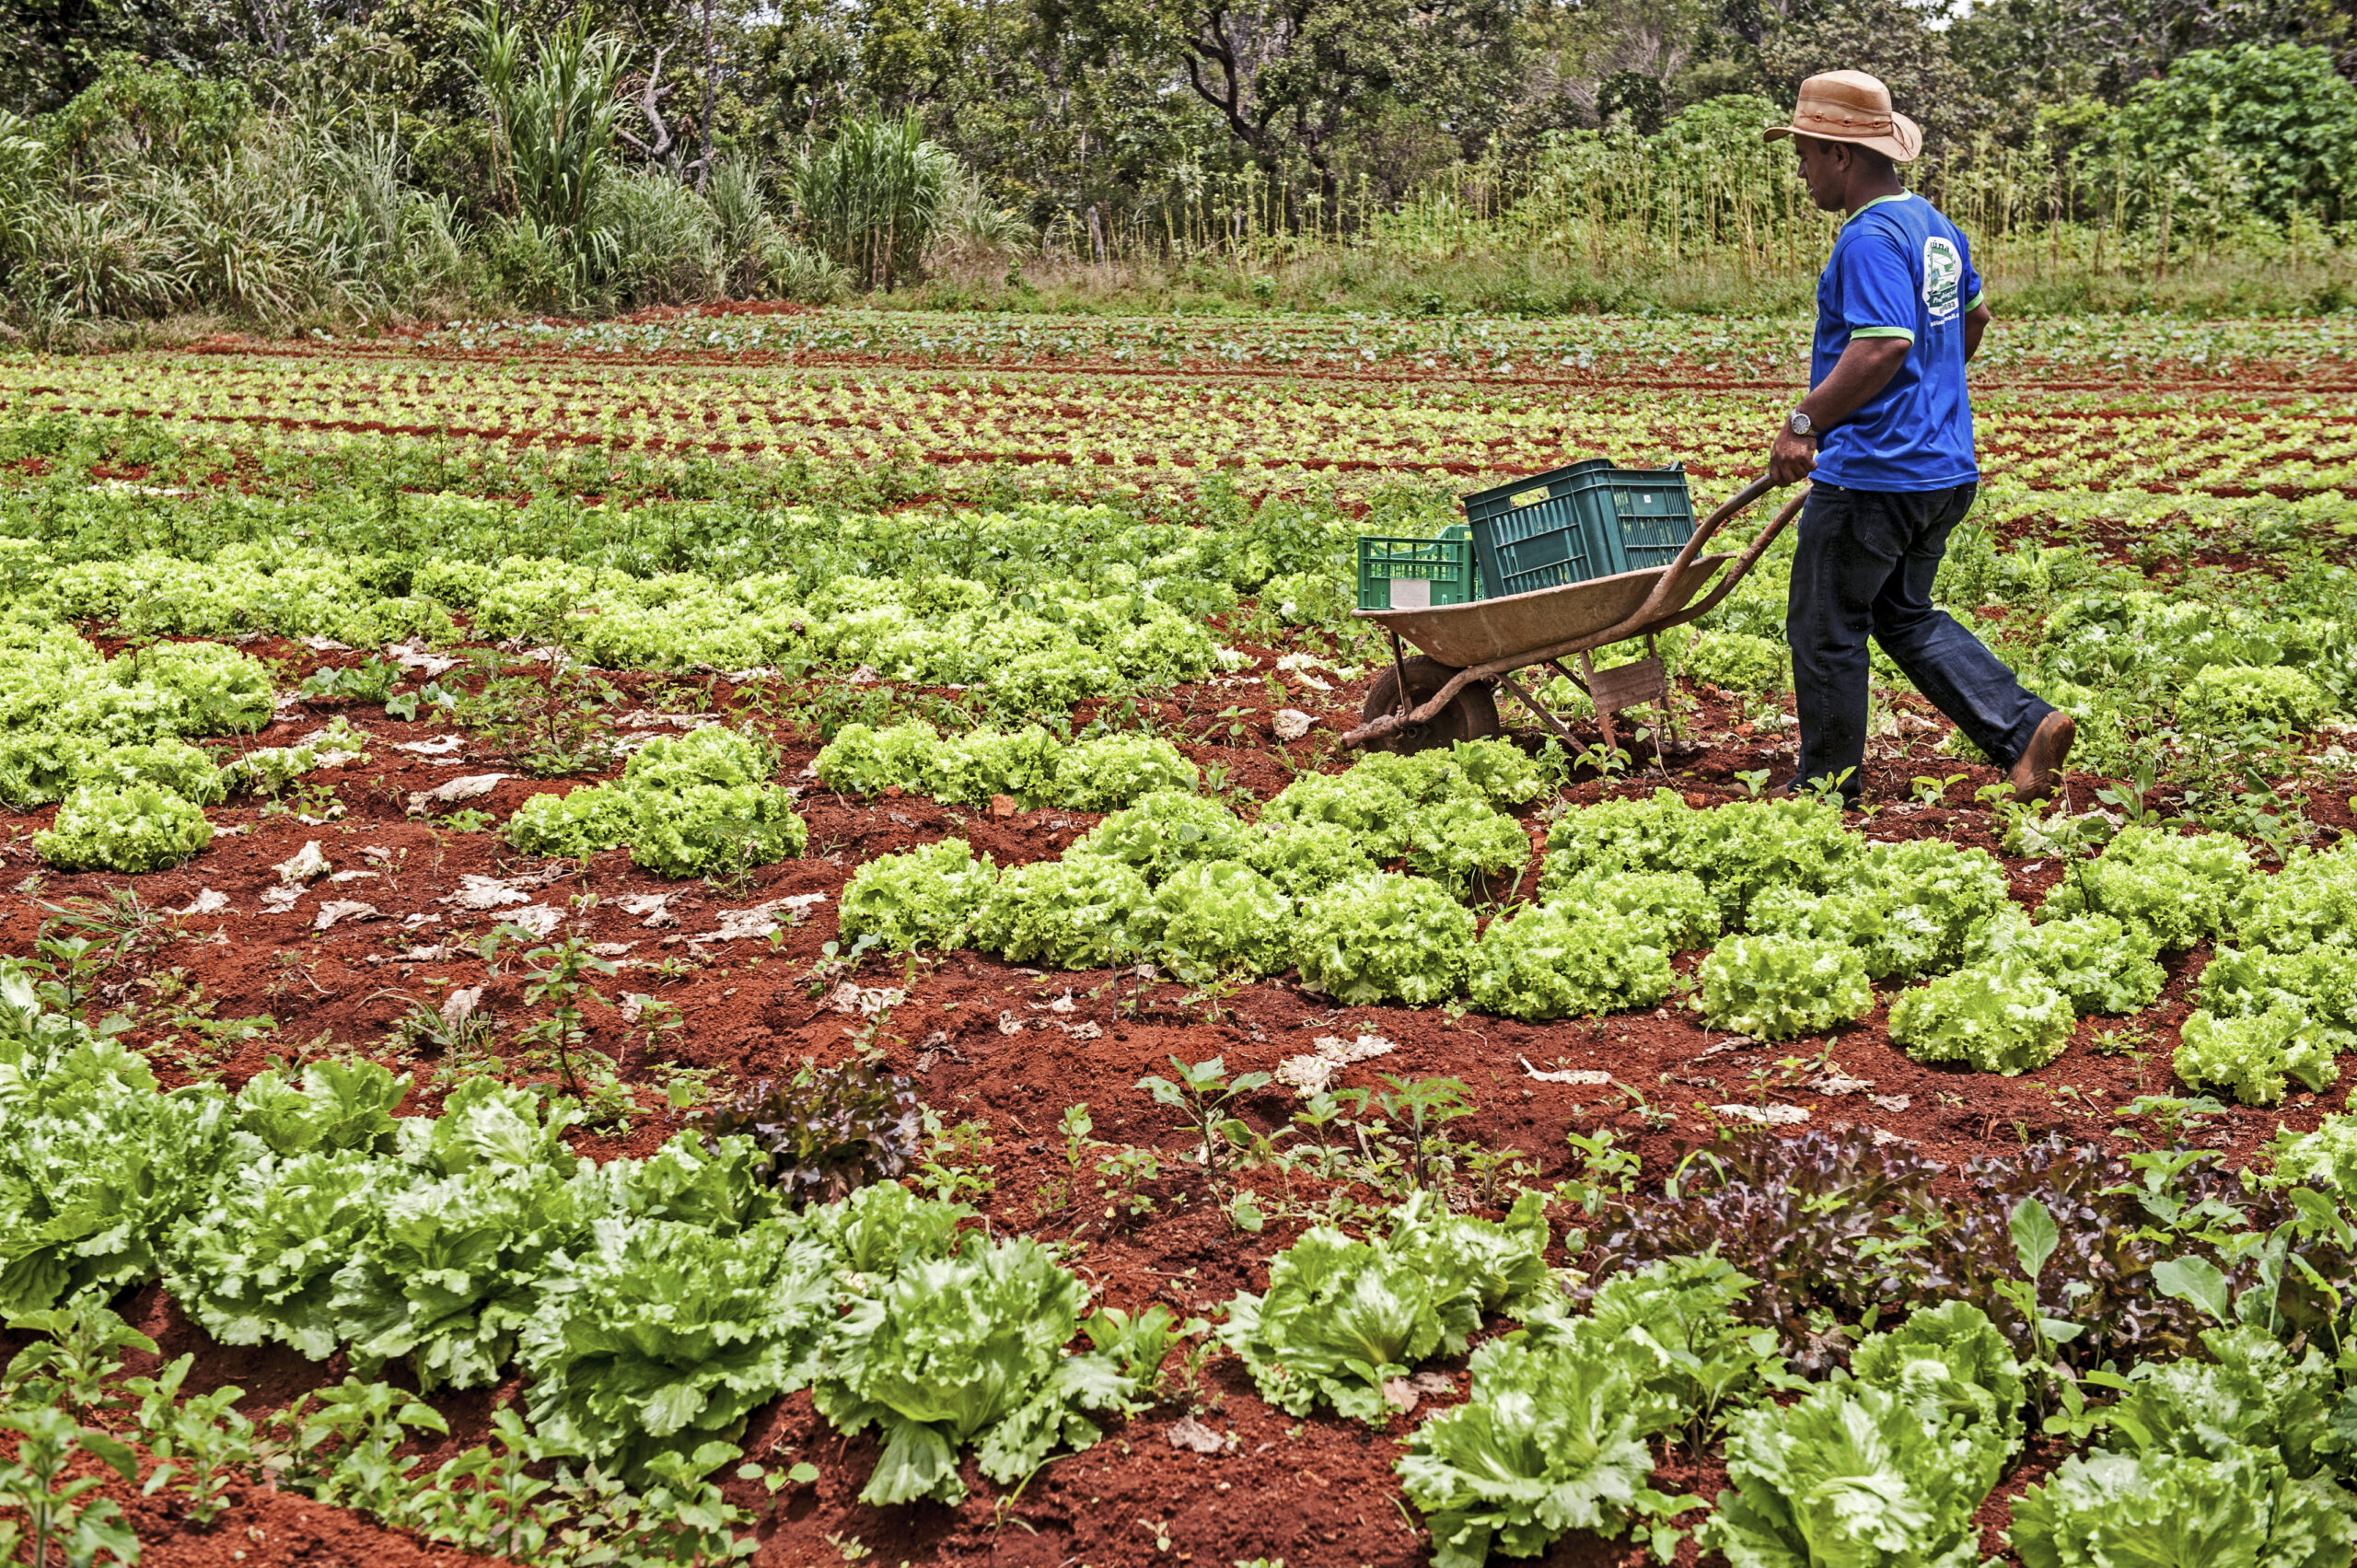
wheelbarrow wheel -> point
(1471, 715)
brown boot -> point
(2041, 768)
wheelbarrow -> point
(1444, 695)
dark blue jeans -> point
(1865, 565)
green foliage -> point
(2239, 1510)
(1555, 962)
(1853, 1473)
(129, 828)
(2312, 901)
(1223, 916)
(2229, 699)
(1374, 810)
(2100, 964)
(96, 1167)
(1911, 909)
(869, 197)
(968, 1348)
(1673, 905)
(713, 829)
(2001, 1016)
(575, 825)
(258, 1264)
(1737, 850)
(1735, 661)
(1340, 1317)
(1458, 843)
(661, 1334)
(2251, 1057)
(1778, 987)
(1307, 858)
(1073, 914)
(338, 1105)
(2277, 118)
(920, 898)
(2179, 888)
(2316, 983)
(1952, 1363)
(1379, 937)
(1164, 831)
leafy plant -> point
(130, 827)
(1561, 961)
(258, 1262)
(1340, 1317)
(1202, 1093)
(2253, 1056)
(1379, 937)
(1073, 914)
(970, 1348)
(922, 898)
(63, 1523)
(827, 1130)
(2001, 1016)
(1222, 917)
(1778, 987)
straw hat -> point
(1850, 106)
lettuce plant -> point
(1951, 1362)
(706, 829)
(2180, 888)
(967, 1349)
(2241, 1509)
(920, 898)
(257, 1263)
(1458, 843)
(1779, 987)
(1342, 1317)
(826, 1132)
(714, 754)
(1306, 858)
(336, 1105)
(2251, 1057)
(2001, 1016)
(1111, 770)
(1735, 661)
(2318, 983)
(130, 827)
(573, 825)
(2325, 1159)
(2312, 901)
(1854, 1474)
(173, 766)
(2226, 699)
(1222, 915)
(1558, 963)
(1378, 936)
(2100, 963)
(1073, 914)
(861, 760)
(1377, 812)
(1673, 905)
(661, 1335)
(1164, 831)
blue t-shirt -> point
(1899, 270)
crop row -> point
(1163, 434)
(1604, 345)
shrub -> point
(2001, 1016)
(129, 828)
(1379, 936)
(1778, 987)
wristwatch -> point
(1799, 424)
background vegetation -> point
(295, 162)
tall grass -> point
(869, 197)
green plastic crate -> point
(1587, 520)
(1443, 567)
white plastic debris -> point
(306, 865)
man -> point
(1887, 433)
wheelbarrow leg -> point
(1549, 720)
(1603, 718)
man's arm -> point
(1976, 321)
(1864, 369)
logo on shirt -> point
(1943, 279)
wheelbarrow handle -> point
(1700, 537)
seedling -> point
(1203, 1094)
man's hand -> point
(1792, 459)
